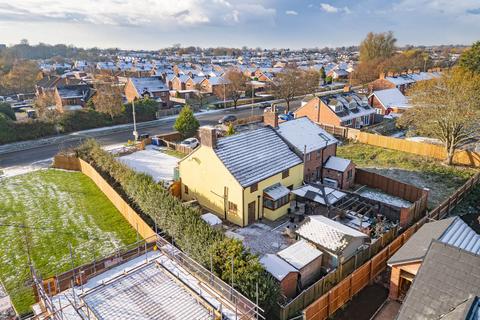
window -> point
(319, 172)
(275, 204)
(186, 189)
(285, 174)
(366, 120)
(347, 123)
(232, 207)
(349, 174)
(254, 187)
(319, 154)
(309, 156)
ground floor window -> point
(275, 204)
(232, 207)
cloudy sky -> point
(152, 24)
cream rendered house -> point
(241, 178)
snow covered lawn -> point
(157, 164)
(59, 207)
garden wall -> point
(72, 163)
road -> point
(27, 157)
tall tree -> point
(108, 99)
(21, 78)
(235, 85)
(44, 105)
(288, 84)
(377, 46)
(447, 108)
(470, 59)
(186, 122)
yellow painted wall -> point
(295, 178)
(206, 176)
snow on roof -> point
(391, 98)
(461, 235)
(278, 267)
(303, 133)
(150, 84)
(337, 163)
(328, 234)
(254, 155)
(412, 78)
(211, 219)
(300, 254)
(276, 191)
(314, 193)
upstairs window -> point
(285, 174)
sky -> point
(154, 24)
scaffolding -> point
(60, 300)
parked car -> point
(264, 105)
(227, 119)
(286, 116)
(190, 142)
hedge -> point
(11, 131)
(184, 225)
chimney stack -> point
(382, 75)
(270, 117)
(389, 74)
(347, 88)
(208, 136)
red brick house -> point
(209, 85)
(72, 97)
(310, 142)
(402, 81)
(346, 109)
(151, 87)
(339, 173)
(388, 101)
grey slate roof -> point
(453, 231)
(254, 155)
(447, 279)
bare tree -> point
(235, 84)
(293, 82)
(377, 46)
(108, 99)
(44, 104)
(447, 108)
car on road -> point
(264, 105)
(229, 118)
(190, 142)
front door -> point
(251, 212)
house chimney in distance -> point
(347, 88)
(270, 117)
(208, 136)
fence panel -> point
(339, 295)
(360, 278)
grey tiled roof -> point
(447, 279)
(254, 155)
(453, 231)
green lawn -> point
(442, 180)
(60, 208)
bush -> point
(8, 111)
(186, 122)
(11, 131)
(184, 225)
(83, 119)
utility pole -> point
(224, 97)
(135, 132)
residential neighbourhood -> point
(239, 174)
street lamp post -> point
(135, 132)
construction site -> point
(153, 280)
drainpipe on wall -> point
(258, 206)
(304, 159)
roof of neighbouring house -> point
(327, 233)
(300, 254)
(150, 84)
(276, 266)
(447, 281)
(390, 98)
(337, 163)
(303, 134)
(348, 105)
(255, 155)
(74, 91)
(453, 231)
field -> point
(59, 208)
(442, 180)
